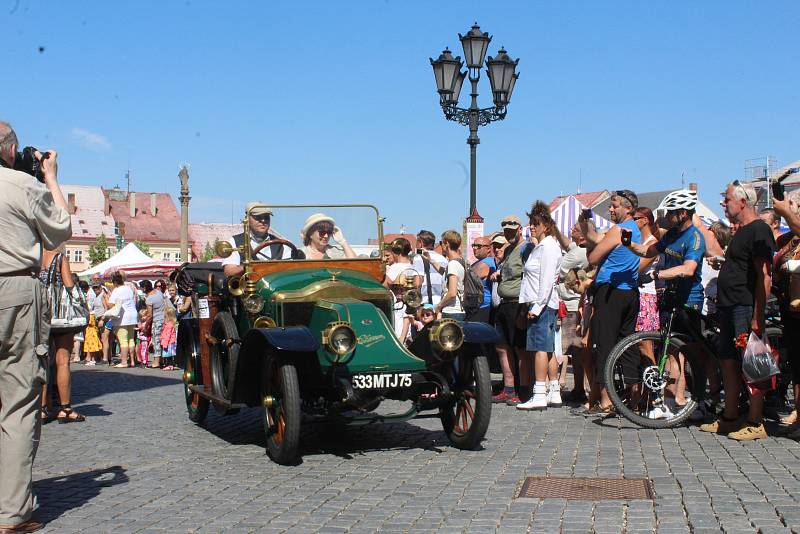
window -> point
(77, 255)
(166, 256)
(68, 254)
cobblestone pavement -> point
(139, 465)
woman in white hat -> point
(316, 234)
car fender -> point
(479, 333)
(291, 338)
(295, 344)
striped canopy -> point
(566, 215)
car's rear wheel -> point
(224, 353)
(196, 405)
(281, 410)
(466, 419)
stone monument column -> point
(184, 177)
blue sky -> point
(334, 101)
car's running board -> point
(208, 394)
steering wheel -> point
(269, 242)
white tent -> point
(129, 255)
(566, 215)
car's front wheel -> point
(281, 410)
(466, 419)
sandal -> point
(120, 366)
(70, 415)
(45, 415)
(168, 368)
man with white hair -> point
(742, 288)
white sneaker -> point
(554, 397)
(537, 402)
(660, 412)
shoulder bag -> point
(69, 311)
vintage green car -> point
(314, 339)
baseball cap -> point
(428, 306)
(500, 240)
(260, 210)
(511, 221)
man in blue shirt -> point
(615, 303)
(683, 247)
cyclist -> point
(683, 247)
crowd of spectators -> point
(557, 300)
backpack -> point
(472, 298)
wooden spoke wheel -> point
(196, 405)
(281, 404)
(466, 419)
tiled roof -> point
(587, 199)
(203, 233)
(89, 219)
(164, 226)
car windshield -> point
(330, 232)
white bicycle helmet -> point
(681, 199)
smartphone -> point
(419, 251)
(587, 214)
(627, 235)
(778, 190)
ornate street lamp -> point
(502, 74)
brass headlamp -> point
(446, 335)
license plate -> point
(381, 380)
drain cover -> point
(587, 489)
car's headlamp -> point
(446, 335)
(412, 298)
(253, 303)
(339, 338)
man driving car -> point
(259, 218)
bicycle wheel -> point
(641, 393)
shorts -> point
(124, 336)
(505, 323)
(570, 340)
(613, 318)
(689, 322)
(542, 332)
(733, 322)
(647, 320)
(481, 315)
(791, 342)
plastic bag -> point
(758, 362)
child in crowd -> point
(169, 338)
(413, 324)
(143, 333)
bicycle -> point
(643, 399)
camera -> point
(419, 251)
(778, 190)
(26, 162)
(626, 237)
(587, 214)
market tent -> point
(129, 255)
(141, 271)
(566, 215)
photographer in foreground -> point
(33, 215)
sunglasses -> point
(325, 230)
(476, 245)
(261, 218)
(740, 185)
(627, 196)
(509, 223)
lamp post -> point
(450, 78)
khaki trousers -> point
(22, 374)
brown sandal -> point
(70, 415)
